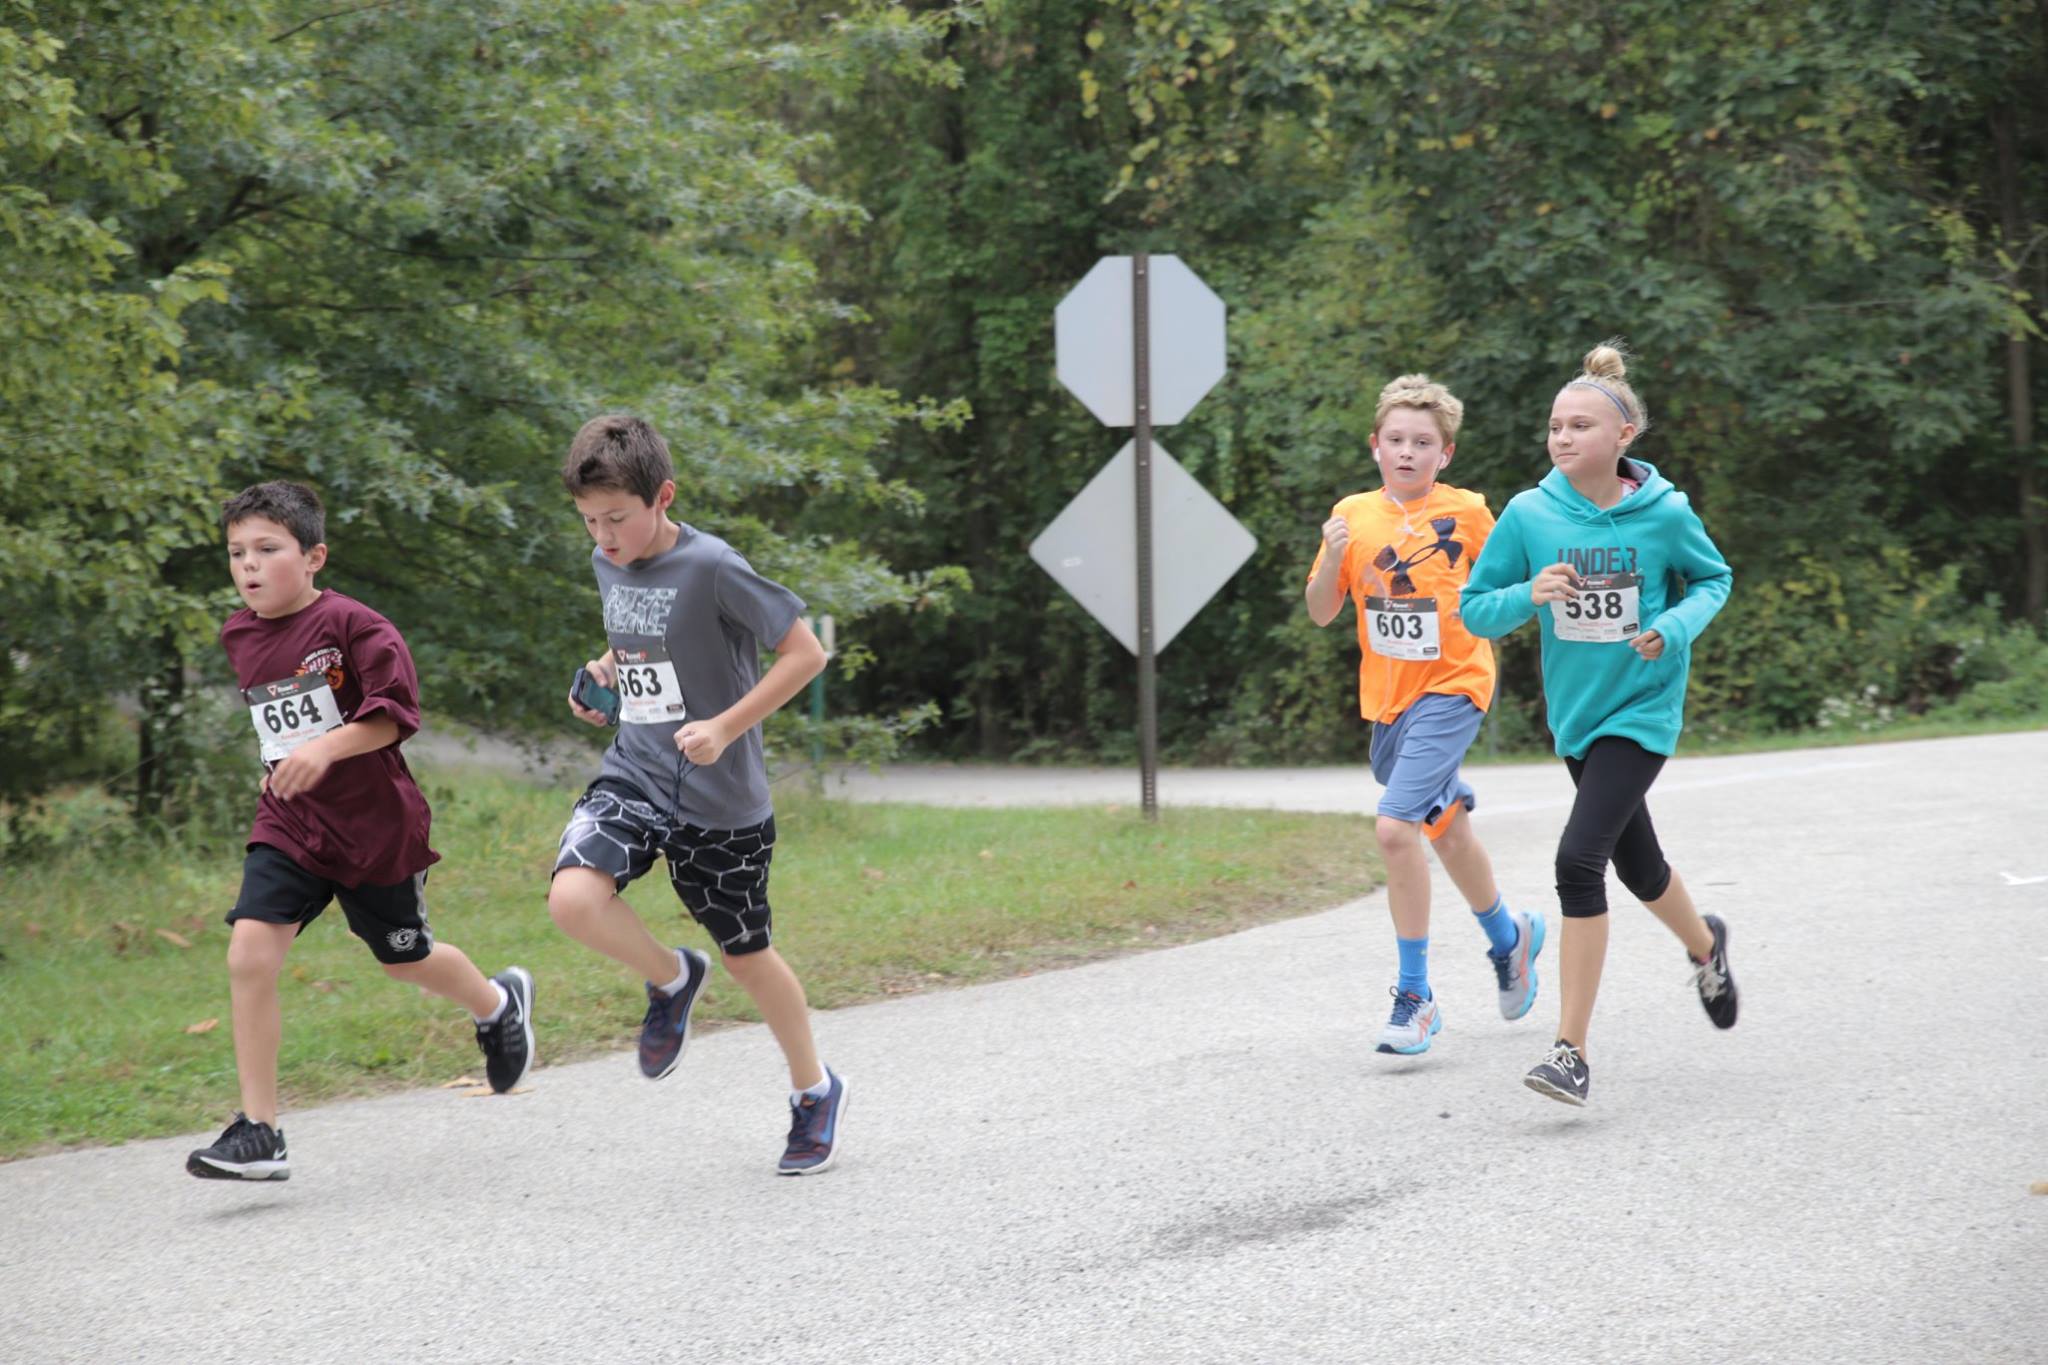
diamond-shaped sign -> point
(1092, 340)
(1091, 547)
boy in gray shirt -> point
(685, 617)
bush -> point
(1833, 641)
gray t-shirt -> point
(686, 630)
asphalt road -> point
(1193, 1154)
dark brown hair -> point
(621, 452)
(291, 505)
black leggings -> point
(1610, 822)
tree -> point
(414, 245)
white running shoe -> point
(1515, 970)
(1413, 1023)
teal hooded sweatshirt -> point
(1594, 689)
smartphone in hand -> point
(592, 695)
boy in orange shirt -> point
(1403, 554)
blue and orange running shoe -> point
(665, 1031)
(814, 1129)
(1413, 1023)
(1515, 969)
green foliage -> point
(1794, 213)
(402, 251)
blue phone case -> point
(593, 695)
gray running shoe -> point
(1712, 979)
(1561, 1075)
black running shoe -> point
(1712, 979)
(665, 1032)
(814, 1130)
(246, 1151)
(1562, 1074)
(507, 1042)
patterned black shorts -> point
(720, 875)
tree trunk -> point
(163, 707)
(2019, 378)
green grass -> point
(96, 1000)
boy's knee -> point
(402, 971)
(1396, 835)
(743, 962)
(573, 898)
(256, 948)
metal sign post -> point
(1148, 675)
(1172, 325)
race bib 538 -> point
(1608, 608)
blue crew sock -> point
(1414, 966)
(1501, 933)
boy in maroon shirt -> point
(331, 690)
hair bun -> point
(1607, 361)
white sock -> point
(504, 999)
(816, 1092)
(672, 987)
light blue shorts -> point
(1416, 756)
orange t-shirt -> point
(1422, 551)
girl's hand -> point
(1649, 644)
(1554, 584)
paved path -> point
(1190, 1155)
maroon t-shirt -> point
(366, 821)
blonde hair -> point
(1605, 368)
(1419, 391)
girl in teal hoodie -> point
(1614, 565)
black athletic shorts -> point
(720, 875)
(391, 919)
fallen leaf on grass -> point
(459, 1082)
(874, 874)
(203, 1026)
(1130, 886)
(324, 986)
(174, 938)
(985, 853)
(32, 929)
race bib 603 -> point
(1403, 627)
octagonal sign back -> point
(1091, 548)
(1092, 330)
